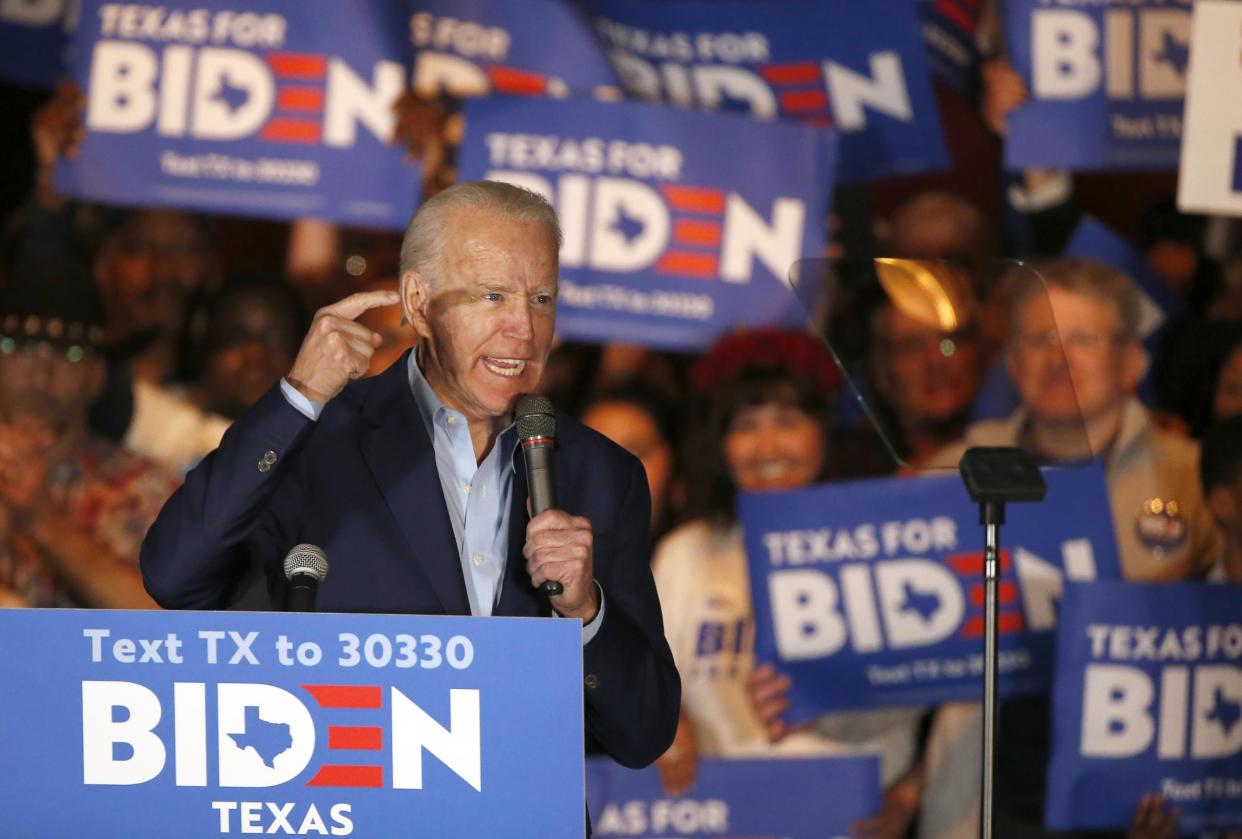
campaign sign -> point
(1210, 178)
(858, 67)
(1106, 82)
(871, 593)
(1147, 699)
(197, 724)
(949, 28)
(801, 798)
(259, 110)
(677, 224)
(476, 47)
(34, 35)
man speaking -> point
(412, 481)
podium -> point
(189, 724)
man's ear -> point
(1223, 504)
(415, 299)
(1135, 365)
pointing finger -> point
(355, 304)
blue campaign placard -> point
(1106, 83)
(860, 68)
(668, 241)
(1148, 699)
(273, 108)
(802, 798)
(194, 724)
(476, 47)
(870, 593)
(34, 35)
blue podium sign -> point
(795, 798)
(193, 724)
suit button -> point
(591, 681)
(269, 457)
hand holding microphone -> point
(558, 548)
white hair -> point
(427, 234)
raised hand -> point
(336, 348)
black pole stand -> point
(995, 475)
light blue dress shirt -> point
(478, 495)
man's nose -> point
(521, 321)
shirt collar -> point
(431, 409)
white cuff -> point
(1056, 190)
(590, 630)
(306, 407)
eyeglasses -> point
(1074, 340)
(946, 342)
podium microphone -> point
(306, 566)
(536, 423)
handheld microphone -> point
(306, 566)
(536, 423)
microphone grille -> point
(535, 416)
(306, 559)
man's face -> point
(1068, 360)
(41, 390)
(925, 373)
(254, 345)
(488, 324)
(149, 268)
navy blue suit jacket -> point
(361, 482)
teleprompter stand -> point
(995, 475)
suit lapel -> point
(400, 456)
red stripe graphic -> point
(819, 120)
(347, 696)
(698, 265)
(967, 564)
(1006, 622)
(692, 232)
(366, 737)
(804, 100)
(297, 65)
(281, 130)
(518, 82)
(963, 19)
(299, 99)
(1006, 594)
(802, 72)
(348, 776)
(694, 199)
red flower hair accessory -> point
(802, 355)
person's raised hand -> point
(1003, 91)
(337, 349)
(1153, 819)
(559, 547)
(56, 127)
(768, 692)
(678, 766)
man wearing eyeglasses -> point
(1075, 358)
(73, 507)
